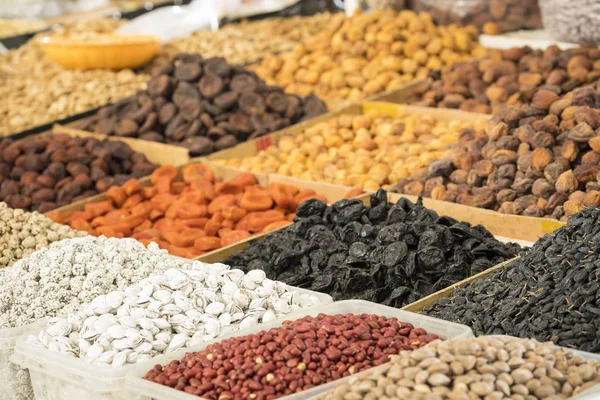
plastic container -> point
(15, 380)
(136, 388)
(567, 23)
(490, 16)
(56, 376)
(106, 51)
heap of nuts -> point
(36, 91)
(491, 16)
(25, 232)
(44, 172)
(14, 27)
(487, 367)
(365, 151)
(367, 54)
(510, 76)
(192, 215)
(297, 356)
(205, 105)
(540, 159)
(248, 41)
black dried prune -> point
(394, 254)
(311, 207)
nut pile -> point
(35, 91)
(59, 279)
(14, 27)
(512, 76)
(550, 293)
(25, 232)
(299, 355)
(485, 367)
(367, 54)
(168, 312)
(248, 41)
(203, 104)
(366, 151)
(190, 216)
(44, 172)
(393, 254)
(539, 159)
(490, 16)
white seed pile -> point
(169, 311)
(22, 233)
(59, 279)
(572, 24)
(487, 367)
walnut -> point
(567, 182)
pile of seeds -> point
(550, 293)
(511, 76)
(192, 215)
(248, 41)
(485, 367)
(203, 104)
(167, 312)
(299, 355)
(386, 253)
(369, 53)
(367, 150)
(25, 232)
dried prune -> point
(550, 293)
(388, 253)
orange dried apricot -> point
(275, 225)
(116, 195)
(244, 179)
(203, 186)
(154, 214)
(81, 225)
(167, 172)
(234, 237)
(290, 217)
(147, 224)
(184, 238)
(353, 193)
(223, 231)
(133, 201)
(197, 170)
(289, 189)
(280, 196)
(255, 222)
(229, 188)
(164, 225)
(207, 243)
(177, 187)
(197, 223)
(143, 208)
(186, 210)
(221, 202)
(149, 192)
(256, 200)
(162, 201)
(163, 185)
(234, 213)
(84, 215)
(193, 197)
(132, 186)
(185, 252)
(305, 195)
(97, 209)
(212, 227)
(146, 234)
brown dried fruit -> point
(567, 182)
(540, 158)
(543, 99)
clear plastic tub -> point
(16, 384)
(136, 388)
(56, 376)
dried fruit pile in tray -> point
(204, 105)
(192, 215)
(44, 172)
(550, 293)
(386, 253)
(366, 151)
(369, 53)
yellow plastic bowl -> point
(105, 51)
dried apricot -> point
(223, 232)
(133, 201)
(234, 237)
(228, 224)
(291, 217)
(221, 202)
(186, 210)
(132, 186)
(164, 225)
(255, 222)
(185, 252)
(147, 224)
(143, 208)
(353, 193)
(81, 225)
(275, 225)
(177, 187)
(305, 195)
(146, 234)
(115, 216)
(212, 227)
(197, 223)
(154, 214)
(290, 190)
(234, 213)
(163, 201)
(203, 186)
(163, 185)
(197, 170)
(280, 196)
(184, 238)
(193, 197)
(116, 195)
(168, 172)
(207, 243)
(84, 215)
(146, 242)
(149, 192)
(97, 209)
(229, 188)
(245, 179)
(256, 200)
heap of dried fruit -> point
(367, 54)
(510, 76)
(192, 215)
(44, 172)
(297, 356)
(204, 105)
(491, 16)
(36, 91)
(550, 293)
(366, 151)
(540, 159)
(386, 253)
(248, 41)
